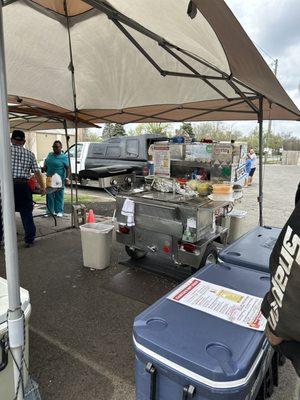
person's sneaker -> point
(27, 245)
(59, 215)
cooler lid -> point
(253, 249)
(4, 300)
(208, 349)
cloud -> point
(280, 25)
(273, 25)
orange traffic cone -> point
(91, 216)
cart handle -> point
(188, 392)
(116, 171)
(155, 205)
(152, 371)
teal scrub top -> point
(57, 164)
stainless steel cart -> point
(171, 224)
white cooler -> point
(7, 391)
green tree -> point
(188, 128)
(215, 131)
(111, 130)
(252, 139)
(91, 135)
(153, 128)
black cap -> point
(18, 135)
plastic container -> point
(222, 188)
(253, 249)
(7, 389)
(183, 353)
(96, 240)
(222, 197)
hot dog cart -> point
(175, 220)
(170, 224)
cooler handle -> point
(4, 352)
(188, 392)
(152, 371)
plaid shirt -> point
(23, 162)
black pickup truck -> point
(109, 163)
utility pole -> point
(275, 73)
(270, 121)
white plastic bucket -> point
(96, 240)
(237, 221)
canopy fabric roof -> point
(148, 62)
(32, 117)
(30, 122)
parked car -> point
(113, 161)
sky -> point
(273, 25)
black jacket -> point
(281, 305)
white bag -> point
(56, 181)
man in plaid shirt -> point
(23, 164)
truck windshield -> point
(79, 150)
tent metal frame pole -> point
(69, 158)
(137, 45)
(190, 118)
(195, 74)
(42, 112)
(15, 315)
(119, 19)
(71, 67)
(261, 147)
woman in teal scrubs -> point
(57, 163)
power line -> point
(264, 51)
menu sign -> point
(161, 158)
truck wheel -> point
(210, 255)
(136, 254)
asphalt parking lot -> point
(80, 329)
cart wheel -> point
(210, 255)
(136, 254)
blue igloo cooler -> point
(253, 249)
(184, 353)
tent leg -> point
(71, 68)
(76, 157)
(15, 317)
(261, 148)
(68, 148)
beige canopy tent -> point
(126, 61)
(98, 61)
(138, 61)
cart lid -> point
(212, 351)
(253, 249)
(4, 302)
